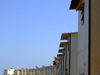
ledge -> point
(59, 56)
(63, 44)
(74, 4)
(77, 4)
(80, 5)
(60, 50)
(65, 36)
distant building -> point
(25, 72)
(8, 71)
(48, 70)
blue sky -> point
(30, 31)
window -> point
(82, 16)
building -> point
(67, 60)
(63, 45)
(24, 72)
(88, 36)
(8, 71)
(70, 58)
(48, 70)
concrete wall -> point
(83, 40)
(95, 37)
(74, 57)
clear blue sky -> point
(30, 31)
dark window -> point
(82, 16)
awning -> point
(59, 56)
(60, 50)
(74, 4)
(77, 4)
(63, 44)
(65, 36)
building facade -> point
(8, 72)
(71, 49)
(88, 38)
(48, 70)
(67, 60)
(24, 72)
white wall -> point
(10, 71)
(83, 40)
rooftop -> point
(65, 36)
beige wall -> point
(74, 57)
(83, 40)
(95, 37)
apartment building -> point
(8, 71)
(88, 36)
(71, 49)
(48, 70)
(67, 61)
(24, 72)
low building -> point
(46, 70)
(25, 72)
(8, 71)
